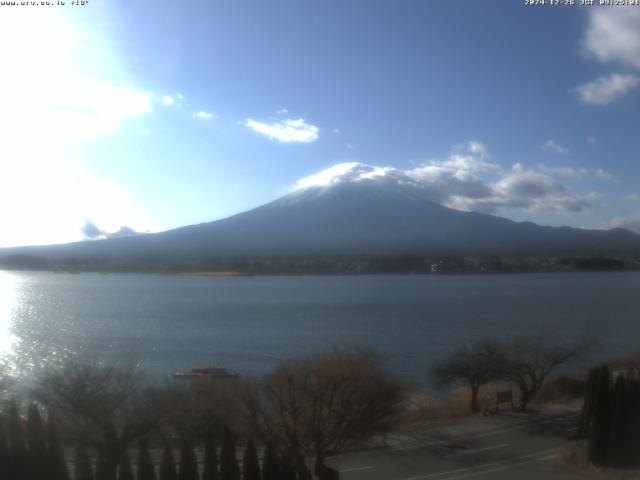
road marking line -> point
(493, 447)
(541, 452)
(497, 432)
(439, 474)
(503, 466)
(356, 469)
(498, 469)
(459, 439)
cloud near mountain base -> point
(91, 232)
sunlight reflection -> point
(8, 300)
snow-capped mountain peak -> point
(347, 172)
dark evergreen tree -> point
(168, 465)
(125, 472)
(36, 439)
(146, 470)
(188, 463)
(270, 466)
(103, 472)
(329, 473)
(600, 429)
(229, 468)
(633, 423)
(620, 412)
(250, 463)
(82, 464)
(5, 467)
(19, 462)
(287, 469)
(57, 463)
(210, 471)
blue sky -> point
(154, 115)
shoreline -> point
(208, 274)
(237, 273)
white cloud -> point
(631, 222)
(467, 181)
(286, 131)
(91, 107)
(555, 147)
(80, 108)
(478, 149)
(577, 173)
(613, 35)
(458, 176)
(528, 189)
(282, 111)
(92, 232)
(569, 172)
(331, 175)
(605, 90)
(203, 115)
(634, 197)
(591, 140)
(172, 100)
(604, 175)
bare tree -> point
(473, 366)
(530, 360)
(6, 379)
(321, 406)
(196, 410)
(100, 406)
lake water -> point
(172, 323)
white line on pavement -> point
(475, 450)
(439, 474)
(461, 438)
(355, 469)
(498, 469)
(541, 452)
(474, 470)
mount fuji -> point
(351, 209)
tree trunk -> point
(107, 468)
(475, 408)
(303, 471)
(320, 466)
(525, 398)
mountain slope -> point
(363, 214)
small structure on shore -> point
(207, 373)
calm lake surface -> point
(171, 323)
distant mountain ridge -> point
(361, 210)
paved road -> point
(508, 446)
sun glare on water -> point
(8, 302)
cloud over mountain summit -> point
(468, 180)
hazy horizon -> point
(381, 178)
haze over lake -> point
(172, 323)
